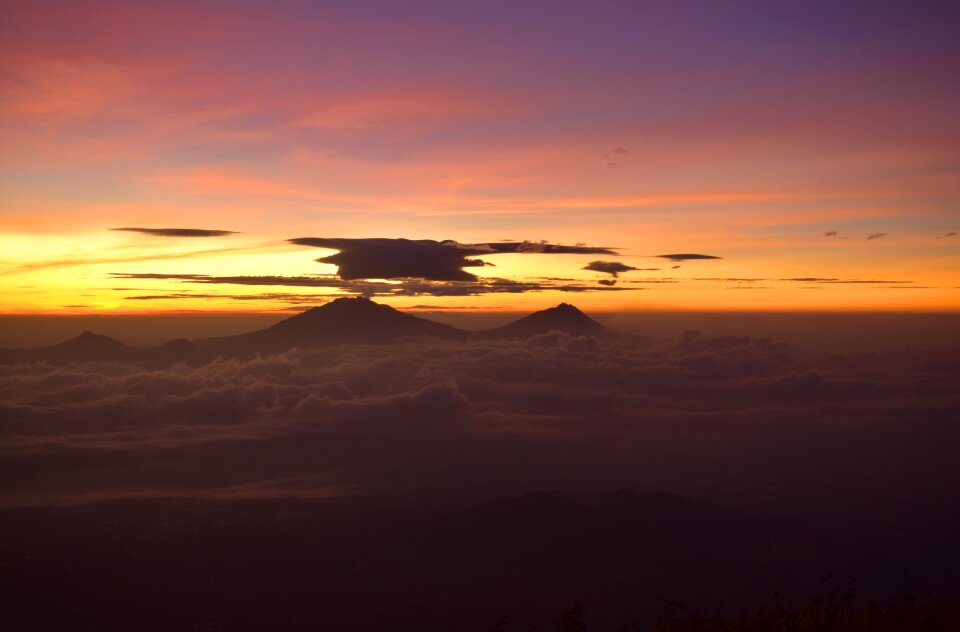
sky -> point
(631, 155)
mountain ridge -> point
(351, 320)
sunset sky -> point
(812, 148)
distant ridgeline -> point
(344, 320)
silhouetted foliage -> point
(572, 620)
(831, 610)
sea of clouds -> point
(726, 415)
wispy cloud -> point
(86, 261)
(405, 287)
(851, 281)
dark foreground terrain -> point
(345, 563)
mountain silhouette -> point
(175, 351)
(357, 320)
(87, 347)
(345, 320)
(564, 317)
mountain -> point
(342, 320)
(564, 317)
(173, 352)
(87, 347)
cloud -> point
(305, 422)
(947, 235)
(396, 258)
(660, 280)
(686, 257)
(812, 280)
(157, 275)
(387, 258)
(852, 281)
(83, 261)
(830, 233)
(730, 279)
(292, 299)
(873, 236)
(608, 267)
(615, 153)
(405, 111)
(178, 232)
(405, 287)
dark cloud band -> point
(177, 232)
(608, 267)
(406, 287)
(386, 258)
(686, 257)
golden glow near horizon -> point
(846, 175)
(82, 279)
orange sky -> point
(797, 142)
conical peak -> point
(563, 317)
(563, 310)
(352, 300)
(89, 337)
(344, 303)
(352, 304)
(354, 319)
(90, 340)
(345, 311)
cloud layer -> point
(405, 287)
(366, 417)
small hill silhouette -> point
(175, 351)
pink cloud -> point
(366, 111)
